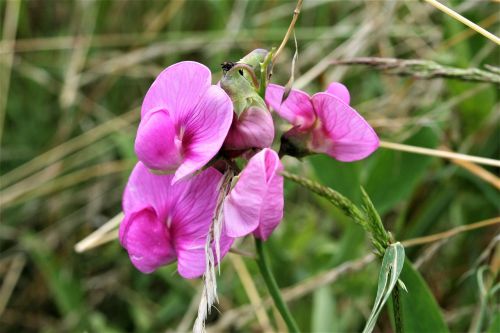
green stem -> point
(273, 288)
(396, 309)
(264, 75)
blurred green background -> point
(71, 88)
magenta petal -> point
(175, 218)
(343, 133)
(157, 144)
(147, 240)
(191, 221)
(178, 89)
(245, 206)
(297, 108)
(271, 212)
(145, 190)
(252, 129)
(203, 133)
(340, 91)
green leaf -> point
(495, 324)
(394, 175)
(391, 268)
(342, 177)
(420, 310)
(323, 311)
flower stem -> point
(273, 288)
(396, 308)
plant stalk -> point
(273, 288)
(396, 309)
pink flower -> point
(254, 128)
(165, 222)
(184, 120)
(255, 204)
(323, 123)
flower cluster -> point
(193, 134)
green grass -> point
(72, 97)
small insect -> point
(227, 65)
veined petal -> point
(157, 144)
(343, 133)
(254, 128)
(146, 240)
(182, 213)
(245, 207)
(147, 190)
(203, 133)
(297, 108)
(191, 221)
(178, 89)
(271, 212)
(340, 91)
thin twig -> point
(451, 232)
(439, 153)
(423, 69)
(296, 13)
(465, 21)
(479, 171)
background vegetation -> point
(71, 86)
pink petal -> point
(147, 190)
(252, 129)
(191, 220)
(184, 210)
(343, 133)
(297, 108)
(340, 91)
(245, 206)
(178, 89)
(157, 144)
(147, 240)
(204, 131)
(271, 212)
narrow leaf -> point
(289, 84)
(391, 268)
(420, 311)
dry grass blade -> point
(479, 171)
(464, 20)
(451, 232)
(9, 35)
(251, 291)
(16, 196)
(439, 153)
(101, 235)
(69, 147)
(10, 280)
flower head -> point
(165, 222)
(184, 120)
(255, 204)
(252, 125)
(323, 123)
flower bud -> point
(252, 125)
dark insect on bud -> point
(227, 65)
